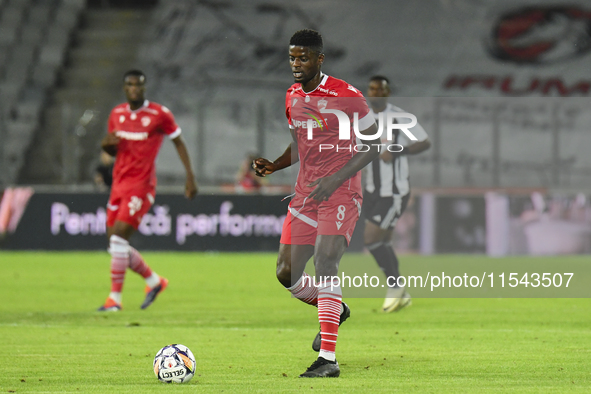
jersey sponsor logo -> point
(121, 118)
(132, 136)
(327, 91)
(146, 121)
(316, 123)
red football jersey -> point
(317, 158)
(140, 133)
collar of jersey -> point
(144, 105)
(322, 82)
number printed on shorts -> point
(341, 212)
(134, 205)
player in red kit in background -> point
(135, 133)
(328, 195)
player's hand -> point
(263, 167)
(191, 188)
(325, 187)
(111, 139)
(109, 143)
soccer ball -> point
(174, 363)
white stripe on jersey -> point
(175, 133)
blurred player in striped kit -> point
(387, 191)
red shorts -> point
(307, 218)
(129, 206)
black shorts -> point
(384, 211)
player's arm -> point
(190, 184)
(109, 143)
(263, 167)
(326, 186)
(413, 149)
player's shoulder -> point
(120, 108)
(157, 108)
(294, 89)
(341, 87)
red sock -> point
(119, 250)
(137, 263)
(305, 290)
(329, 314)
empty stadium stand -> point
(34, 36)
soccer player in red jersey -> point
(135, 133)
(328, 195)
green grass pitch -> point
(249, 335)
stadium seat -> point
(34, 37)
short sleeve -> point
(168, 124)
(357, 104)
(418, 131)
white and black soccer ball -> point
(174, 363)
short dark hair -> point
(380, 78)
(308, 38)
(135, 73)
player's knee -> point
(118, 245)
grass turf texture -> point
(249, 335)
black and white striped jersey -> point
(389, 179)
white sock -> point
(330, 356)
(115, 296)
(153, 280)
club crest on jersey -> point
(307, 99)
(322, 103)
(146, 121)
(121, 119)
